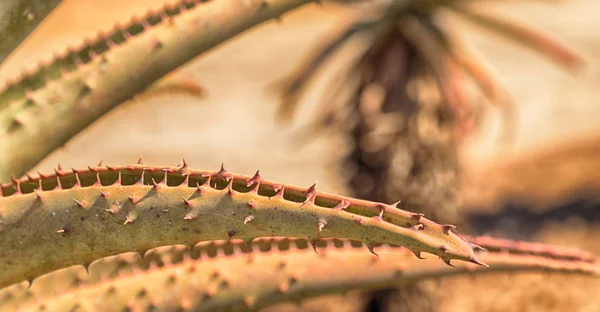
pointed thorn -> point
(155, 185)
(447, 228)
(186, 202)
(230, 234)
(477, 247)
(417, 227)
(313, 243)
(141, 180)
(38, 195)
(132, 198)
(417, 216)
(251, 204)
(248, 219)
(476, 261)
(255, 179)
(311, 189)
(199, 189)
(372, 250)
(342, 205)
(79, 203)
(230, 191)
(224, 173)
(139, 162)
(279, 189)
(100, 163)
(447, 261)
(444, 248)
(188, 216)
(128, 220)
(184, 164)
(103, 194)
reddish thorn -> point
(38, 195)
(199, 189)
(207, 182)
(444, 248)
(255, 179)
(251, 204)
(103, 194)
(111, 168)
(360, 221)
(79, 203)
(59, 167)
(155, 185)
(78, 181)
(342, 205)
(187, 202)
(99, 163)
(223, 172)
(476, 261)
(477, 247)
(205, 175)
(128, 220)
(139, 162)
(417, 216)
(417, 227)
(311, 189)
(91, 168)
(132, 198)
(447, 228)
(313, 243)
(42, 176)
(184, 164)
(230, 190)
(17, 183)
(279, 189)
(30, 178)
(164, 180)
(372, 250)
(395, 205)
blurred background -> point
(540, 184)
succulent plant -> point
(146, 237)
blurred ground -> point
(234, 122)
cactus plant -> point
(73, 240)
